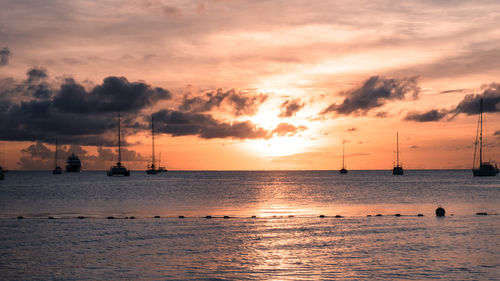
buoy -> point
(208, 217)
(290, 216)
(440, 212)
(20, 217)
(132, 217)
(157, 217)
(51, 218)
(226, 217)
(321, 216)
(338, 216)
(378, 215)
(110, 217)
(254, 217)
(397, 215)
(368, 216)
(81, 217)
(181, 217)
(420, 215)
(482, 214)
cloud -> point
(34, 111)
(240, 103)
(414, 146)
(4, 56)
(114, 94)
(491, 101)
(429, 116)
(496, 133)
(351, 129)
(381, 114)
(177, 123)
(286, 129)
(374, 93)
(290, 107)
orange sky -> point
(291, 78)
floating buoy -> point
(226, 217)
(254, 217)
(338, 216)
(81, 217)
(378, 215)
(111, 218)
(132, 217)
(368, 216)
(397, 215)
(208, 217)
(321, 216)
(51, 218)
(156, 217)
(440, 212)
(290, 216)
(181, 217)
(482, 214)
(20, 217)
(420, 215)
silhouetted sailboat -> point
(160, 168)
(2, 173)
(398, 169)
(119, 170)
(57, 170)
(152, 169)
(484, 169)
(343, 170)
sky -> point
(249, 85)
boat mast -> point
(397, 149)
(55, 156)
(343, 153)
(481, 133)
(119, 141)
(153, 143)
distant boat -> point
(152, 169)
(118, 169)
(160, 168)
(398, 169)
(484, 169)
(343, 170)
(73, 164)
(57, 170)
(2, 173)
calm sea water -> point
(287, 240)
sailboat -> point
(343, 170)
(2, 173)
(118, 169)
(398, 169)
(57, 170)
(152, 169)
(485, 169)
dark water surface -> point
(286, 241)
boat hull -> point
(57, 171)
(73, 168)
(118, 171)
(343, 171)
(485, 170)
(397, 171)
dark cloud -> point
(374, 93)
(429, 116)
(114, 94)
(497, 133)
(71, 113)
(491, 101)
(4, 56)
(241, 103)
(286, 129)
(177, 123)
(290, 107)
(351, 129)
(381, 114)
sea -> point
(250, 225)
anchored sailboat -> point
(57, 170)
(484, 169)
(152, 169)
(160, 168)
(398, 169)
(118, 169)
(343, 170)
